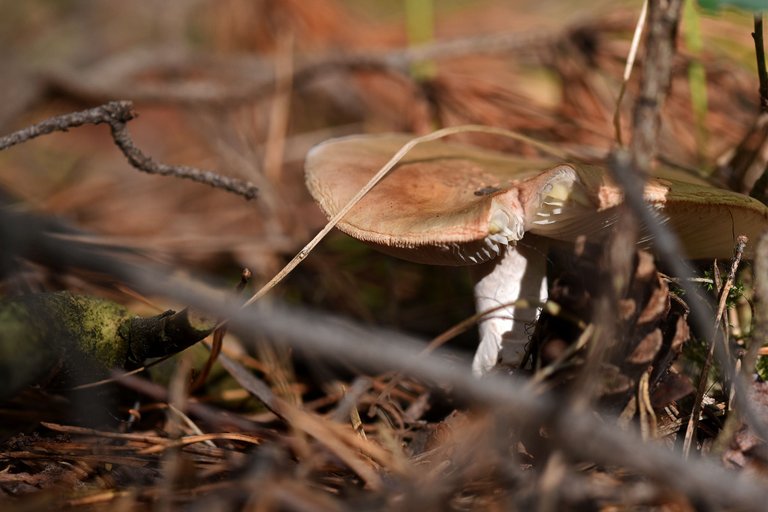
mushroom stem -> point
(520, 272)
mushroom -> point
(453, 204)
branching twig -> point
(116, 114)
(120, 112)
(693, 421)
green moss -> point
(761, 368)
(83, 338)
(89, 326)
(24, 357)
(42, 332)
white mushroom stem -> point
(519, 273)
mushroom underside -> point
(516, 282)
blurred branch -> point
(116, 114)
(661, 25)
(582, 436)
(663, 19)
(760, 332)
(243, 78)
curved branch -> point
(117, 114)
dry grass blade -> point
(725, 290)
(200, 438)
(336, 440)
(628, 70)
(218, 340)
(439, 134)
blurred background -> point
(246, 87)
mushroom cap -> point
(454, 204)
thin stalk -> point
(762, 74)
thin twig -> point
(693, 421)
(735, 169)
(117, 114)
(628, 70)
(762, 75)
(218, 340)
(454, 331)
(116, 111)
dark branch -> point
(762, 75)
(250, 77)
(116, 114)
(581, 435)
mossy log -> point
(65, 338)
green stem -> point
(420, 22)
(697, 78)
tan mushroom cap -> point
(454, 204)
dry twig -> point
(762, 75)
(693, 421)
(116, 114)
